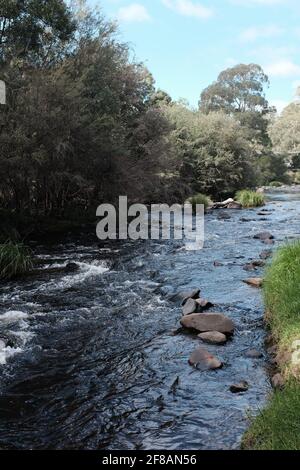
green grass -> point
(250, 198)
(278, 425)
(15, 259)
(200, 199)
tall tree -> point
(32, 26)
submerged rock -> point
(254, 354)
(249, 267)
(254, 281)
(240, 387)
(218, 264)
(266, 254)
(203, 360)
(264, 236)
(189, 307)
(213, 337)
(208, 322)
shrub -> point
(275, 184)
(250, 198)
(200, 199)
(15, 259)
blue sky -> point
(186, 43)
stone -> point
(264, 236)
(240, 387)
(203, 360)
(217, 264)
(203, 304)
(189, 307)
(2, 344)
(254, 281)
(254, 354)
(213, 337)
(208, 322)
(192, 294)
(258, 263)
(277, 381)
(249, 267)
(266, 254)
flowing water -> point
(91, 359)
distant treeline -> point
(84, 123)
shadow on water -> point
(91, 358)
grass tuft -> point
(250, 198)
(15, 259)
(200, 199)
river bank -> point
(277, 427)
(95, 359)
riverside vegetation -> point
(277, 427)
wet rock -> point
(208, 322)
(277, 381)
(254, 281)
(203, 360)
(192, 294)
(258, 263)
(71, 268)
(254, 354)
(264, 236)
(189, 307)
(244, 219)
(249, 267)
(234, 205)
(2, 344)
(204, 304)
(217, 264)
(240, 387)
(266, 254)
(213, 337)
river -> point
(93, 360)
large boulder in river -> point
(208, 322)
(213, 337)
(189, 307)
(203, 360)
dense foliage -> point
(84, 123)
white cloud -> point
(133, 13)
(283, 68)
(259, 2)
(256, 32)
(189, 8)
